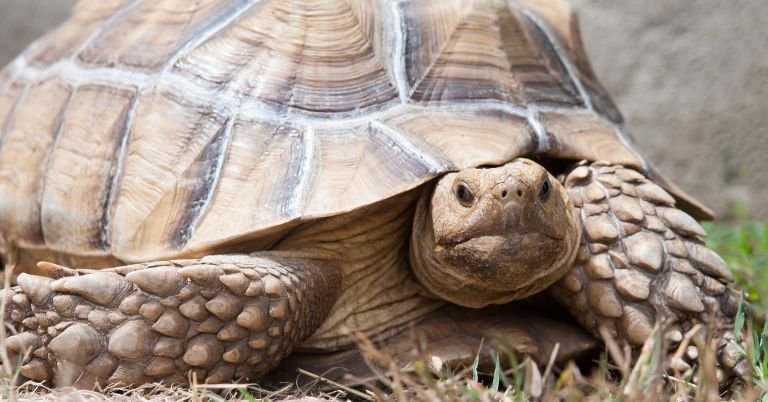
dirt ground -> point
(690, 77)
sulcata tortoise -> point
(236, 180)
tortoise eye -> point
(544, 190)
(464, 195)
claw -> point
(99, 287)
(162, 281)
(22, 342)
(203, 275)
(36, 370)
(56, 271)
(37, 287)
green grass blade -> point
(496, 373)
(247, 395)
(739, 323)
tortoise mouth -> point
(505, 240)
(514, 248)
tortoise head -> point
(491, 235)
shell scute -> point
(170, 166)
(88, 17)
(459, 51)
(262, 158)
(80, 178)
(168, 25)
(29, 135)
(316, 57)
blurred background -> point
(691, 78)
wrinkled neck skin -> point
(537, 263)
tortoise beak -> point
(529, 218)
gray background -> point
(691, 78)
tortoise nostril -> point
(504, 194)
(519, 193)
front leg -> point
(221, 317)
(642, 260)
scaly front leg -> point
(221, 317)
(642, 260)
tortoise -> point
(236, 180)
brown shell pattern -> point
(152, 129)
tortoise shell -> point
(140, 130)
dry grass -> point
(610, 378)
(428, 380)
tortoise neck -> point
(379, 295)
